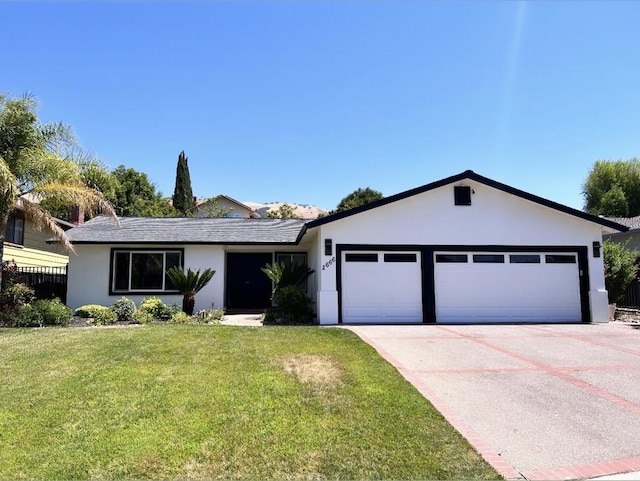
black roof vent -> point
(462, 195)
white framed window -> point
(143, 270)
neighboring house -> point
(28, 246)
(222, 206)
(462, 249)
(630, 238)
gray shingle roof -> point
(631, 222)
(137, 230)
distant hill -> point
(301, 210)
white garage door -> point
(381, 287)
(507, 287)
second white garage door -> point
(381, 287)
(507, 287)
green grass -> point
(203, 402)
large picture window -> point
(143, 270)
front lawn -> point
(203, 402)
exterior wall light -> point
(328, 247)
(596, 248)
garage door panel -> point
(403, 314)
(498, 315)
(508, 292)
(382, 291)
(407, 314)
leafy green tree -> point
(620, 268)
(136, 196)
(285, 211)
(358, 198)
(612, 188)
(182, 194)
(189, 284)
(36, 164)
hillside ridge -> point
(303, 211)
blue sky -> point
(306, 101)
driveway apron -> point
(537, 401)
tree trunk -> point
(3, 228)
(188, 303)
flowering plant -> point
(9, 273)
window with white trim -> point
(143, 270)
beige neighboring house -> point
(28, 246)
(222, 206)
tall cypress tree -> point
(182, 194)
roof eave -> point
(225, 243)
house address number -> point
(329, 263)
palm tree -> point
(36, 164)
(189, 284)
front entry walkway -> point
(537, 401)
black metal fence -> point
(631, 298)
(47, 282)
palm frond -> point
(191, 282)
(85, 198)
(39, 168)
(41, 219)
(273, 272)
(283, 275)
(56, 136)
(8, 191)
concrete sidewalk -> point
(247, 320)
(537, 401)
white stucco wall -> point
(88, 281)
(431, 218)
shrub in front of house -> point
(13, 298)
(103, 317)
(158, 309)
(620, 268)
(124, 309)
(291, 306)
(53, 311)
(29, 316)
(13, 295)
(98, 315)
(89, 310)
(143, 317)
(181, 318)
(44, 312)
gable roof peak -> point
(471, 175)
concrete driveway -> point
(537, 401)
